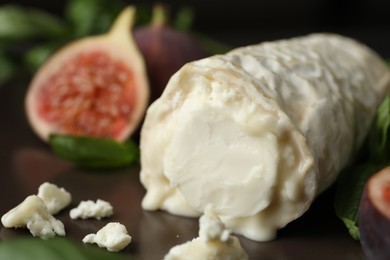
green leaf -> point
(352, 227)
(350, 186)
(90, 17)
(82, 14)
(143, 14)
(18, 23)
(53, 249)
(91, 152)
(37, 55)
(210, 45)
(378, 140)
(184, 19)
(7, 68)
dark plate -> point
(26, 162)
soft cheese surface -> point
(260, 131)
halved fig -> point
(95, 86)
(374, 216)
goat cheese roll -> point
(260, 131)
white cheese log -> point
(260, 131)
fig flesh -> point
(374, 216)
(95, 86)
(165, 50)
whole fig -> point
(95, 86)
(165, 50)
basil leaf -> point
(92, 16)
(349, 190)
(378, 141)
(81, 13)
(184, 19)
(7, 66)
(91, 152)
(53, 249)
(211, 45)
(17, 23)
(143, 15)
(37, 55)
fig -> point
(165, 49)
(95, 86)
(374, 216)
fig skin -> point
(165, 50)
(374, 216)
(120, 48)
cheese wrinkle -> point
(260, 131)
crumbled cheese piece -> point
(214, 242)
(211, 227)
(33, 214)
(112, 236)
(54, 197)
(90, 209)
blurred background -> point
(28, 37)
(258, 20)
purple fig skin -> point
(374, 229)
(165, 51)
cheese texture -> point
(214, 242)
(54, 197)
(90, 209)
(33, 214)
(260, 131)
(112, 236)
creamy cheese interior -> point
(260, 131)
(234, 165)
(220, 145)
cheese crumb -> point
(214, 242)
(112, 236)
(211, 227)
(90, 209)
(34, 214)
(54, 197)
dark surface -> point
(256, 21)
(26, 162)
(254, 14)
